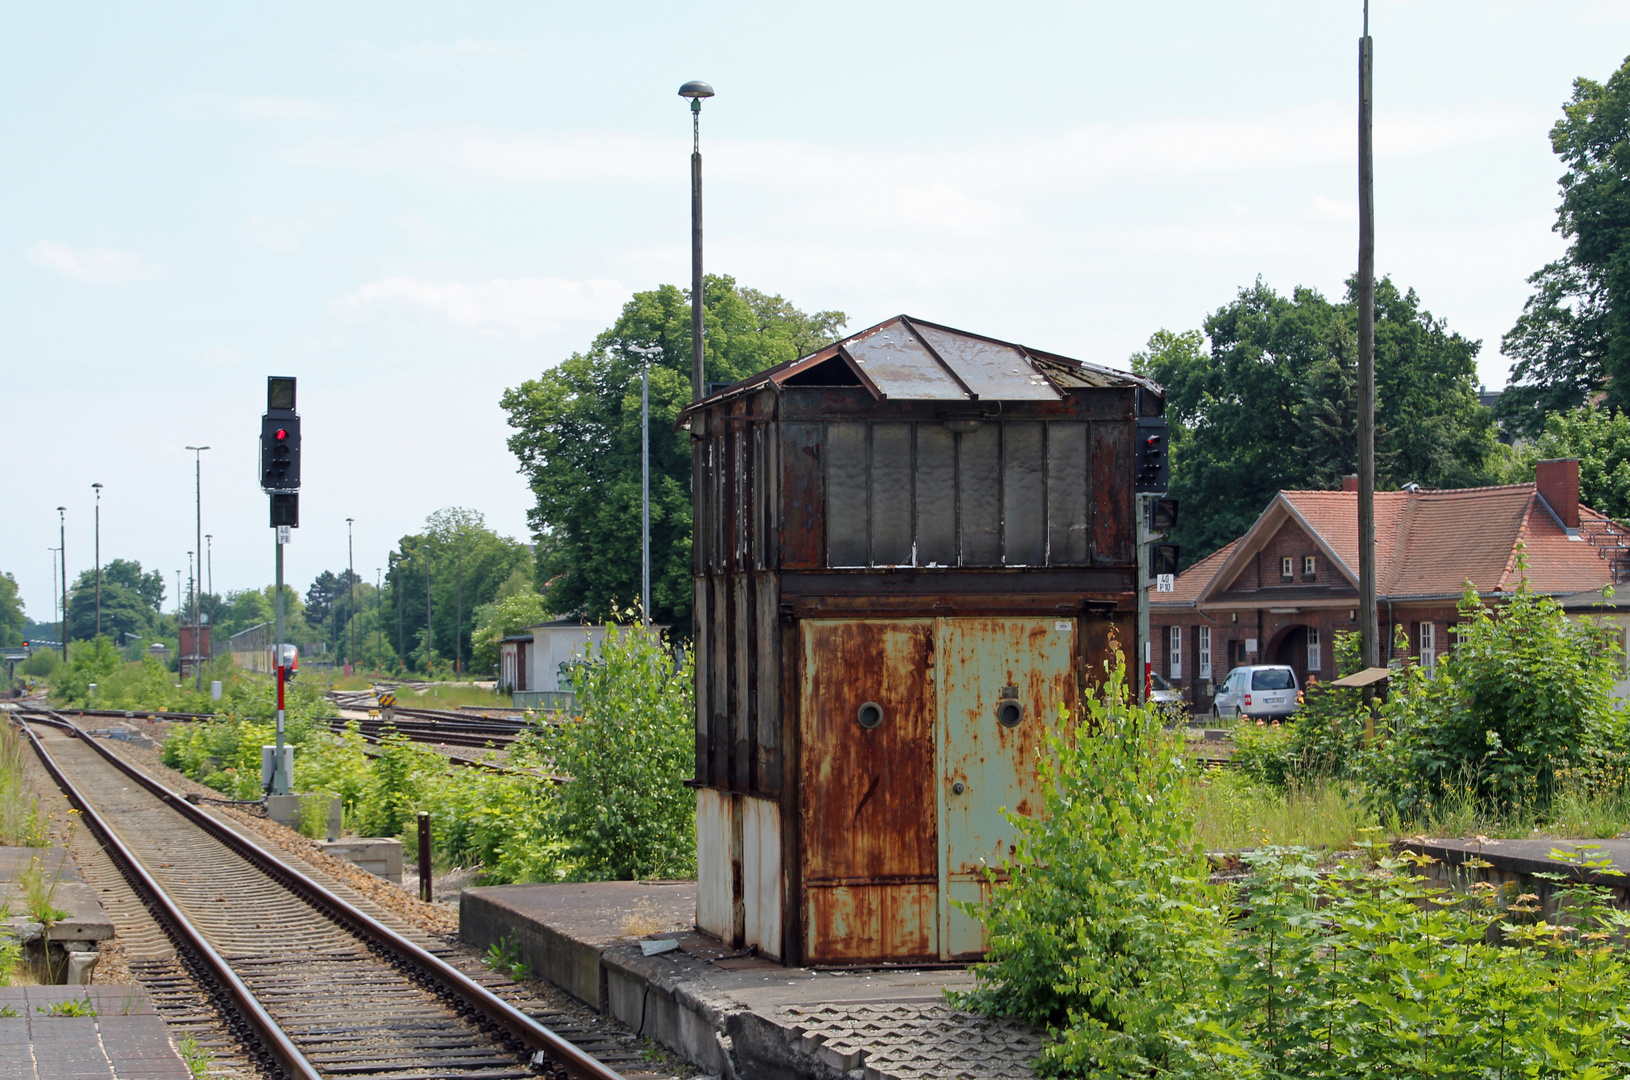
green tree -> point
(1272, 404)
(12, 619)
(498, 620)
(1573, 337)
(128, 572)
(467, 562)
(125, 612)
(577, 435)
(1600, 439)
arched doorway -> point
(1291, 648)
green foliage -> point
(501, 618)
(1600, 439)
(197, 1058)
(12, 619)
(21, 823)
(42, 663)
(11, 956)
(1526, 694)
(71, 1007)
(627, 812)
(1573, 337)
(505, 956)
(467, 563)
(1273, 404)
(1232, 813)
(577, 435)
(1105, 921)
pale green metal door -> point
(1000, 683)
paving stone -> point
(915, 1041)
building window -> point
(1310, 565)
(1429, 647)
(1315, 650)
(1239, 653)
(1174, 657)
(1205, 651)
(1287, 567)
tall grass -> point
(1232, 813)
(21, 823)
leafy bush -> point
(627, 812)
(1525, 695)
(1103, 927)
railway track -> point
(282, 975)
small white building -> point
(555, 645)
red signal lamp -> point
(282, 433)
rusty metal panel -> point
(866, 923)
(761, 875)
(867, 805)
(719, 718)
(719, 496)
(1024, 495)
(900, 367)
(714, 896)
(701, 626)
(1112, 511)
(979, 496)
(767, 653)
(1000, 682)
(993, 370)
(801, 523)
(891, 500)
(847, 488)
(742, 721)
(1067, 539)
(936, 496)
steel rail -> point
(575, 1062)
(266, 1028)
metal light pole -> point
(645, 352)
(458, 617)
(62, 548)
(98, 633)
(696, 90)
(379, 619)
(396, 587)
(209, 562)
(429, 649)
(350, 596)
(197, 598)
(1366, 361)
(192, 596)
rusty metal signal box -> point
(911, 549)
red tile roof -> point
(1430, 543)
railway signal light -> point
(280, 438)
(1152, 465)
(1162, 515)
(1162, 559)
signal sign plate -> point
(1166, 583)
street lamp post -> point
(197, 597)
(192, 594)
(645, 352)
(696, 91)
(62, 549)
(209, 562)
(350, 596)
(98, 554)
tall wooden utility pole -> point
(1366, 352)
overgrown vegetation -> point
(21, 823)
(625, 812)
(1106, 931)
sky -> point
(412, 206)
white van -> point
(1260, 692)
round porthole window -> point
(869, 715)
(1009, 713)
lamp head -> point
(696, 90)
(98, 487)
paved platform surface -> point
(744, 1016)
(124, 1040)
(85, 919)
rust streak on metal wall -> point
(803, 497)
(868, 809)
(1113, 538)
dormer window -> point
(1287, 567)
(1310, 567)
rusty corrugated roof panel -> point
(992, 370)
(905, 359)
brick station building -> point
(1280, 593)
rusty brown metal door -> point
(1000, 682)
(870, 860)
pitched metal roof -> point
(913, 359)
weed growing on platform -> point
(505, 956)
(71, 1007)
(11, 956)
(196, 1058)
(21, 823)
(9, 1013)
(39, 893)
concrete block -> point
(80, 966)
(380, 856)
(284, 809)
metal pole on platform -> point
(280, 776)
(62, 549)
(1366, 360)
(197, 587)
(426, 892)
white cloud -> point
(941, 207)
(1336, 209)
(284, 236)
(517, 308)
(100, 266)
